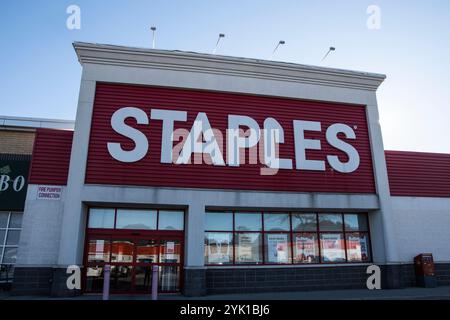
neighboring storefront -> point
(16, 146)
(231, 175)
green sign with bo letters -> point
(13, 181)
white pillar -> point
(195, 235)
(73, 220)
(382, 222)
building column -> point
(194, 266)
(74, 215)
(382, 221)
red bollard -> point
(155, 273)
(106, 277)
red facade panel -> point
(51, 157)
(418, 173)
(102, 168)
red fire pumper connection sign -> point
(153, 136)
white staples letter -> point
(168, 118)
(273, 135)
(301, 144)
(353, 157)
(201, 128)
(139, 139)
(234, 139)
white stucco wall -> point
(41, 230)
(422, 225)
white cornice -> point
(89, 53)
(16, 123)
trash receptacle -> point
(424, 267)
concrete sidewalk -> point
(439, 293)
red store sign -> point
(152, 136)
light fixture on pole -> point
(329, 50)
(221, 35)
(153, 35)
(281, 42)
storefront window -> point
(219, 221)
(10, 255)
(330, 222)
(247, 221)
(355, 222)
(248, 248)
(304, 222)
(286, 238)
(13, 237)
(218, 248)
(143, 278)
(358, 247)
(171, 220)
(4, 219)
(332, 247)
(94, 278)
(98, 250)
(136, 219)
(169, 278)
(306, 249)
(170, 251)
(10, 227)
(101, 218)
(277, 248)
(276, 222)
(120, 280)
(15, 220)
(147, 251)
(122, 251)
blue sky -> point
(40, 73)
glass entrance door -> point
(131, 259)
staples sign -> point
(185, 138)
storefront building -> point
(231, 175)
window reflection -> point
(358, 247)
(219, 221)
(330, 222)
(98, 250)
(143, 278)
(147, 251)
(248, 248)
(304, 222)
(306, 249)
(218, 247)
(122, 251)
(121, 278)
(171, 220)
(101, 218)
(276, 222)
(332, 247)
(169, 278)
(136, 219)
(170, 251)
(94, 278)
(355, 222)
(247, 221)
(278, 248)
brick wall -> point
(16, 142)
